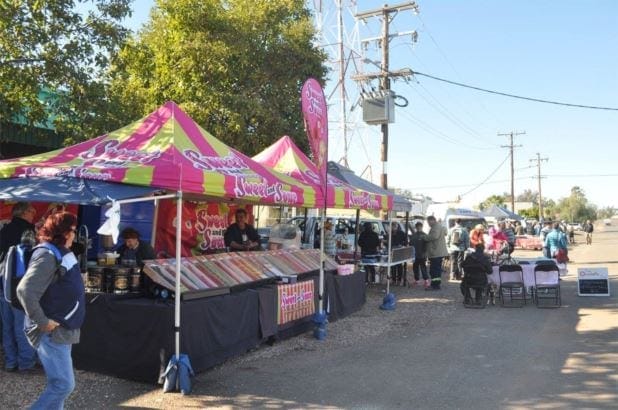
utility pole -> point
(538, 161)
(385, 75)
(512, 147)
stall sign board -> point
(296, 301)
(592, 282)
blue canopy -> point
(501, 213)
(400, 203)
(69, 190)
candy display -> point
(236, 268)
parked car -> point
(344, 229)
(264, 233)
(576, 226)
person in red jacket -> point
(476, 236)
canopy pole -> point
(178, 256)
(319, 319)
(406, 228)
(356, 233)
(305, 233)
(155, 222)
(149, 198)
(388, 303)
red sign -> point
(203, 227)
(296, 301)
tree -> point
(499, 200)
(52, 46)
(528, 196)
(235, 66)
(575, 207)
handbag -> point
(561, 256)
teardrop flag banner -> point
(315, 114)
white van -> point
(447, 214)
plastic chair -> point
(512, 279)
(547, 284)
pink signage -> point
(315, 114)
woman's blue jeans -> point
(58, 365)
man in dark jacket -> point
(18, 354)
(419, 241)
(241, 236)
(134, 249)
(369, 242)
(476, 267)
(398, 239)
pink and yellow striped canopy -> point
(285, 157)
(168, 150)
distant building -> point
(519, 206)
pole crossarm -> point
(405, 72)
(409, 5)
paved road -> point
(448, 358)
(482, 359)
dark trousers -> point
(420, 267)
(397, 273)
(457, 258)
(435, 271)
(370, 272)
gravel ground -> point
(415, 307)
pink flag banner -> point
(315, 114)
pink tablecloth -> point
(528, 242)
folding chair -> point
(547, 284)
(512, 283)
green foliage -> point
(492, 200)
(235, 66)
(528, 196)
(49, 45)
(531, 213)
(575, 207)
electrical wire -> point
(448, 115)
(496, 181)
(439, 134)
(579, 176)
(487, 179)
(433, 40)
(592, 107)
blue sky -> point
(444, 143)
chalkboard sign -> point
(592, 282)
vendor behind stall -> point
(133, 249)
(241, 236)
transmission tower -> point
(338, 35)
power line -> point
(592, 107)
(487, 179)
(580, 175)
(495, 181)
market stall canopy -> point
(400, 203)
(68, 190)
(167, 150)
(498, 212)
(285, 157)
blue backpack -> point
(14, 268)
